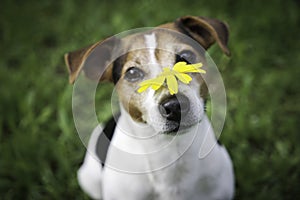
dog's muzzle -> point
(174, 108)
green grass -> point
(39, 148)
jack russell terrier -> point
(151, 150)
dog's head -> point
(143, 56)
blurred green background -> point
(40, 150)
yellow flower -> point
(170, 76)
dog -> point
(160, 133)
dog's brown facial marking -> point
(126, 89)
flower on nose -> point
(171, 77)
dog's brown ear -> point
(94, 60)
(206, 31)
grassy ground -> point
(39, 148)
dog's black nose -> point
(175, 107)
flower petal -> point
(172, 84)
(202, 71)
(191, 68)
(185, 78)
(154, 83)
(143, 88)
(159, 81)
(178, 66)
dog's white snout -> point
(174, 107)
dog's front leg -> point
(90, 172)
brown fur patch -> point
(135, 113)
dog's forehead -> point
(155, 46)
(160, 39)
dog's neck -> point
(140, 138)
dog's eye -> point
(134, 74)
(186, 56)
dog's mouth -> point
(174, 128)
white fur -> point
(151, 44)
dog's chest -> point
(176, 182)
(173, 182)
(180, 180)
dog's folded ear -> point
(94, 60)
(206, 31)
